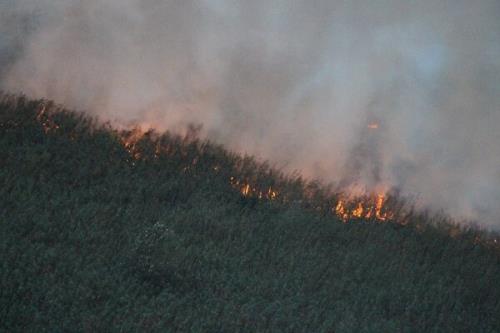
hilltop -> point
(108, 230)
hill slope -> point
(100, 234)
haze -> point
(300, 83)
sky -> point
(294, 82)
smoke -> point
(293, 81)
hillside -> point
(102, 230)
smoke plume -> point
(389, 93)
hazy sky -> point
(295, 82)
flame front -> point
(367, 207)
(252, 191)
(129, 142)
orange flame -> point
(130, 140)
(370, 207)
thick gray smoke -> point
(298, 82)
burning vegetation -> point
(253, 180)
(180, 234)
(368, 207)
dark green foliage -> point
(93, 239)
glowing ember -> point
(271, 194)
(44, 119)
(129, 141)
(245, 190)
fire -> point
(130, 140)
(367, 207)
(382, 216)
(252, 191)
(340, 211)
(245, 190)
(358, 212)
(45, 120)
(272, 194)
